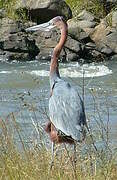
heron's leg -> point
(75, 157)
(53, 135)
(52, 153)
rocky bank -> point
(88, 38)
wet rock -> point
(10, 56)
(43, 10)
(71, 56)
(114, 58)
(45, 54)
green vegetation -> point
(11, 12)
(93, 6)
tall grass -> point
(33, 162)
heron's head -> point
(55, 22)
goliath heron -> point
(66, 108)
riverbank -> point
(89, 38)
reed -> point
(33, 162)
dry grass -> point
(34, 163)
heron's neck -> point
(54, 71)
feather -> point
(66, 110)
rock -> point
(86, 20)
(9, 26)
(90, 45)
(10, 56)
(2, 13)
(86, 24)
(112, 1)
(111, 19)
(114, 58)
(85, 15)
(2, 55)
(71, 56)
(105, 49)
(75, 31)
(106, 41)
(45, 54)
(111, 41)
(46, 41)
(14, 43)
(114, 19)
(96, 36)
(43, 10)
(73, 45)
(82, 27)
(20, 43)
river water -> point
(24, 91)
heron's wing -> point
(66, 110)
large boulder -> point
(43, 10)
(86, 20)
(14, 43)
(46, 41)
(81, 27)
(111, 41)
(75, 31)
(9, 26)
(105, 34)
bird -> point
(66, 107)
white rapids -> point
(73, 71)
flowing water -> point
(24, 91)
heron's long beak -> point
(43, 27)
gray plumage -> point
(66, 110)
